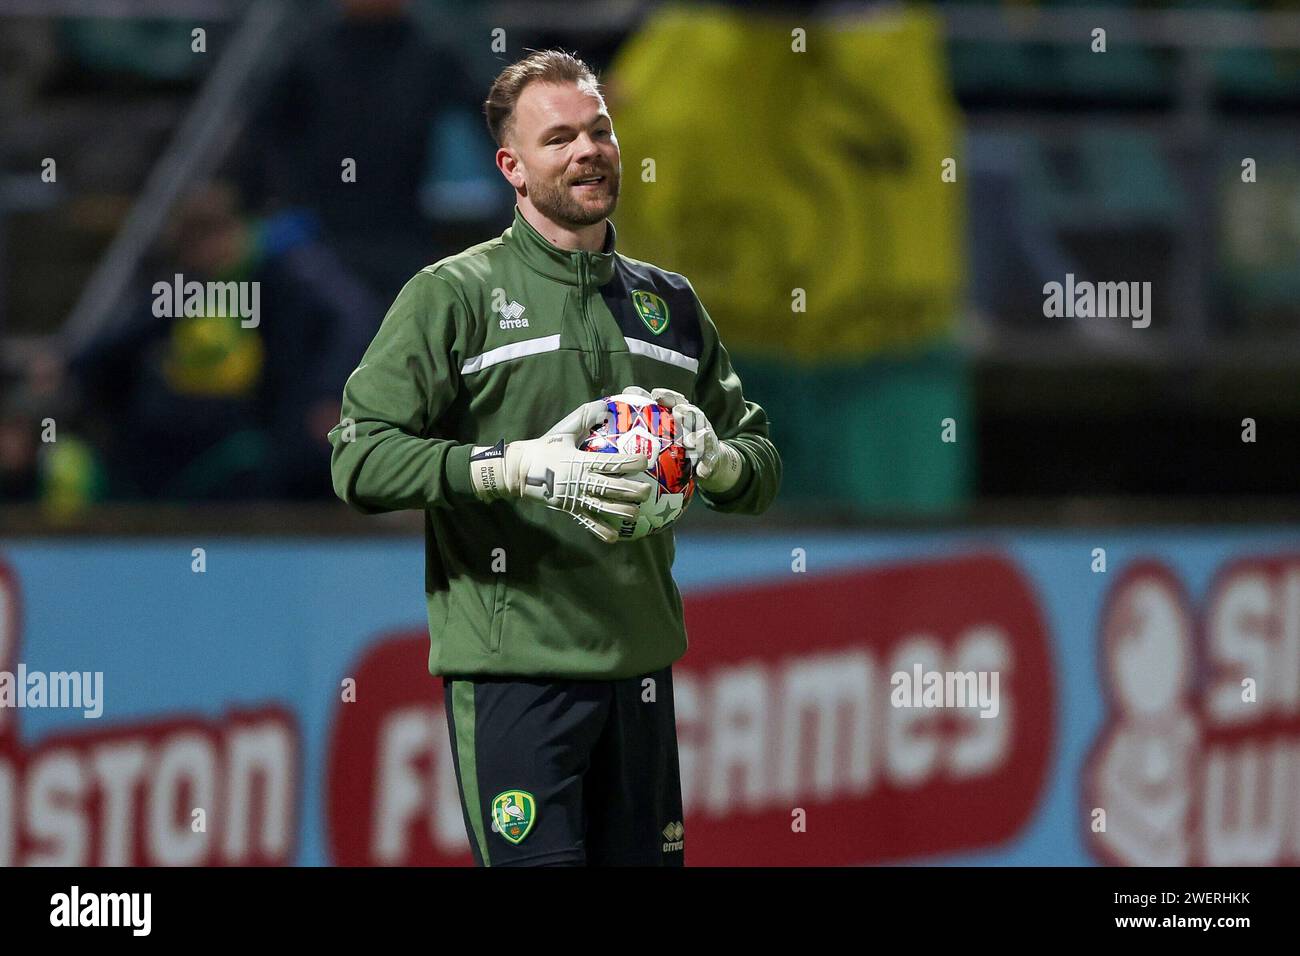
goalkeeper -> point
(554, 640)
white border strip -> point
(661, 354)
(503, 353)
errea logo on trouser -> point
(673, 833)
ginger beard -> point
(570, 205)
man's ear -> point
(510, 167)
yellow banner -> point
(760, 161)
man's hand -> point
(551, 470)
(717, 465)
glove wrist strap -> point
(487, 471)
(726, 472)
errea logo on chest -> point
(512, 313)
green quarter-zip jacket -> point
(500, 342)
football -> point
(639, 426)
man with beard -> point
(554, 639)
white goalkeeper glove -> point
(717, 464)
(551, 470)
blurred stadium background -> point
(870, 199)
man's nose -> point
(586, 146)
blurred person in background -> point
(46, 453)
(19, 441)
(203, 407)
(367, 87)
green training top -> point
(500, 342)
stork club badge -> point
(652, 309)
(513, 814)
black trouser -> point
(570, 772)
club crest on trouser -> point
(513, 814)
(652, 309)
